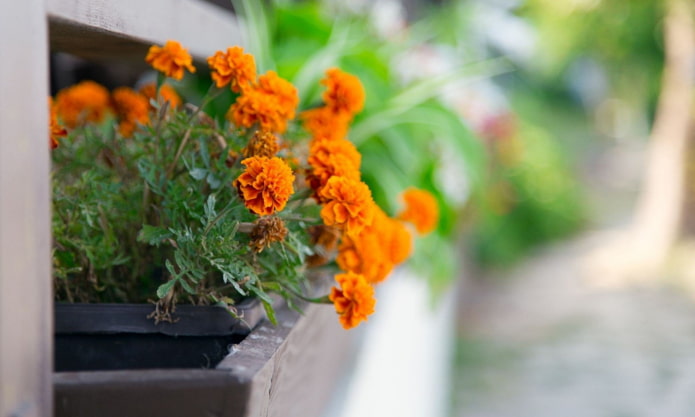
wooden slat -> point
(25, 285)
(294, 366)
(123, 29)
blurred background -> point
(556, 136)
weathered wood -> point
(122, 30)
(171, 393)
(25, 237)
(286, 370)
(295, 365)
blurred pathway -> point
(538, 342)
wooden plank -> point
(293, 366)
(155, 392)
(25, 236)
(117, 30)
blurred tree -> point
(664, 211)
(647, 48)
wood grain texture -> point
(171, 393)
(123, 30)
(25, 236)
(293, 366)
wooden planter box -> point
(284, 370)
(91, 337)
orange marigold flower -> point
(398, 242)
(354, 301)
(265, 185)
(255, 106)
(364, 254)
(85, 101)
(322, 122)
(330, 158)
(377, 249)
(266, 231)
(131, 109)
(233, 67)
(171, 59)
(262, 143)
(284, 92)
(349, 205)
(56, 130)
(344, 92)
(166, 94)
(271, 104)
(421, 210)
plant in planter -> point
(155, 200)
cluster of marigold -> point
(368, 243)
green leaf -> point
(170, 268)
(204, 153)
(210, 211)
(229, 278)
(166, 287)
(187, 287)
(198, 173)
(270, 312)
(213, 181)
(261, 294)
(153, 235)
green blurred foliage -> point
(531, 198)
(405, 129)
(624, 36)
(402, 129)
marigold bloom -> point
(56, 130)
(131, 109)
(421, 210)
(271, 104)
(330, 158)
(233, 67)
(344, 92)
(364, 254)
(377, 249)
(266, 231)
(285, 93)
(354, 301)
(349, 205)
(85, 101)
(166, 94)
(265, 185)
(171, 59)
(399, 242)
(262, 143)
(322, 122)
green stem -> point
(317, 300)
(179, 151)
(207, 98)
(217, 218)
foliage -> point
(173, 203)
(531, 198)
(624, 37)
(405, 128)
